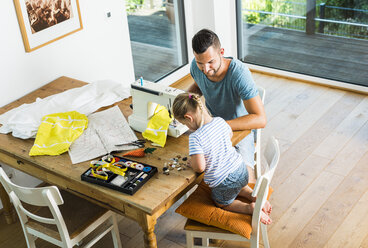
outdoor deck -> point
(341, 59)
(324, 56)
(153, 45)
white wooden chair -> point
(195, 229)
(87, 222)
(257, 140)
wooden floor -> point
(321, 184)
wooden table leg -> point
(9, 211)
(147, 223)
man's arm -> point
(195, 89)
(256, 117)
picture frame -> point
(44, 21)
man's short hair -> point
(203, 39)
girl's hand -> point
(189, 163)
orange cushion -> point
(200, 207)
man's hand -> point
(256, 117)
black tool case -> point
(136, 175)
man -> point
(229, 91)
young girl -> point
(211, 152)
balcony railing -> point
(332, 20)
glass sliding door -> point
(323, 38)
(157, 35)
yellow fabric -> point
(57, 132)
(157, 126)
(200, 207)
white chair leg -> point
(206, 242)
(266, 244)
(254, 240)
(190, 239)
(30, 240)
(115, 233)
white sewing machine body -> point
(145, 98)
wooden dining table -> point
(145, 206)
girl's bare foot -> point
(267, 208)
(247, 193)
(265, 219)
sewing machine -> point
(146, 95)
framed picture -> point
(44, 21)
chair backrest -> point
(272, 155)
(46, 197)
(257, 138)
(262, 93)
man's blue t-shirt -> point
(225, 98)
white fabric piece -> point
(24, 121)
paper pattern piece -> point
(112, 127)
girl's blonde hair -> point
(185, 102)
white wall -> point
(100, 51)
(217, 15)
(225, 25)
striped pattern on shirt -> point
(213, 141)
